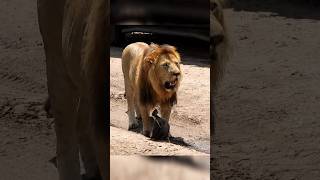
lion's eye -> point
(165, 64)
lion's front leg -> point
(165, 110)
(147, 124)
(138, 114)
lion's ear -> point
(152, 57)
(167, 46)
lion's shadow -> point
(170, 139)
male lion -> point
(218, 50)
(152, 77)
(74, 33)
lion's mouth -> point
(170, 84)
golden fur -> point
(152, 76)
(75, 41)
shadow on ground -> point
(181, 160)
(174, 140)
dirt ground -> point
(268, 105)
(124, 143)
(174, 168)
(27, 141)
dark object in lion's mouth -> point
(170, 84)
(160, 128)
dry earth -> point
(173, 169)
(130, 143)
(269, 101)
(26, 135)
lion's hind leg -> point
(133, 123)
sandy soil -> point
(269, 101)
(190, 117)
(131, 143)
(26, 135)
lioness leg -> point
(50, 23)
(67, 140)
(86, 145)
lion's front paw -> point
(135, 126)
(146, 133)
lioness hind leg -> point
(67, 140)
(61, 91)
(85, 141)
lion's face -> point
(168, 72)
